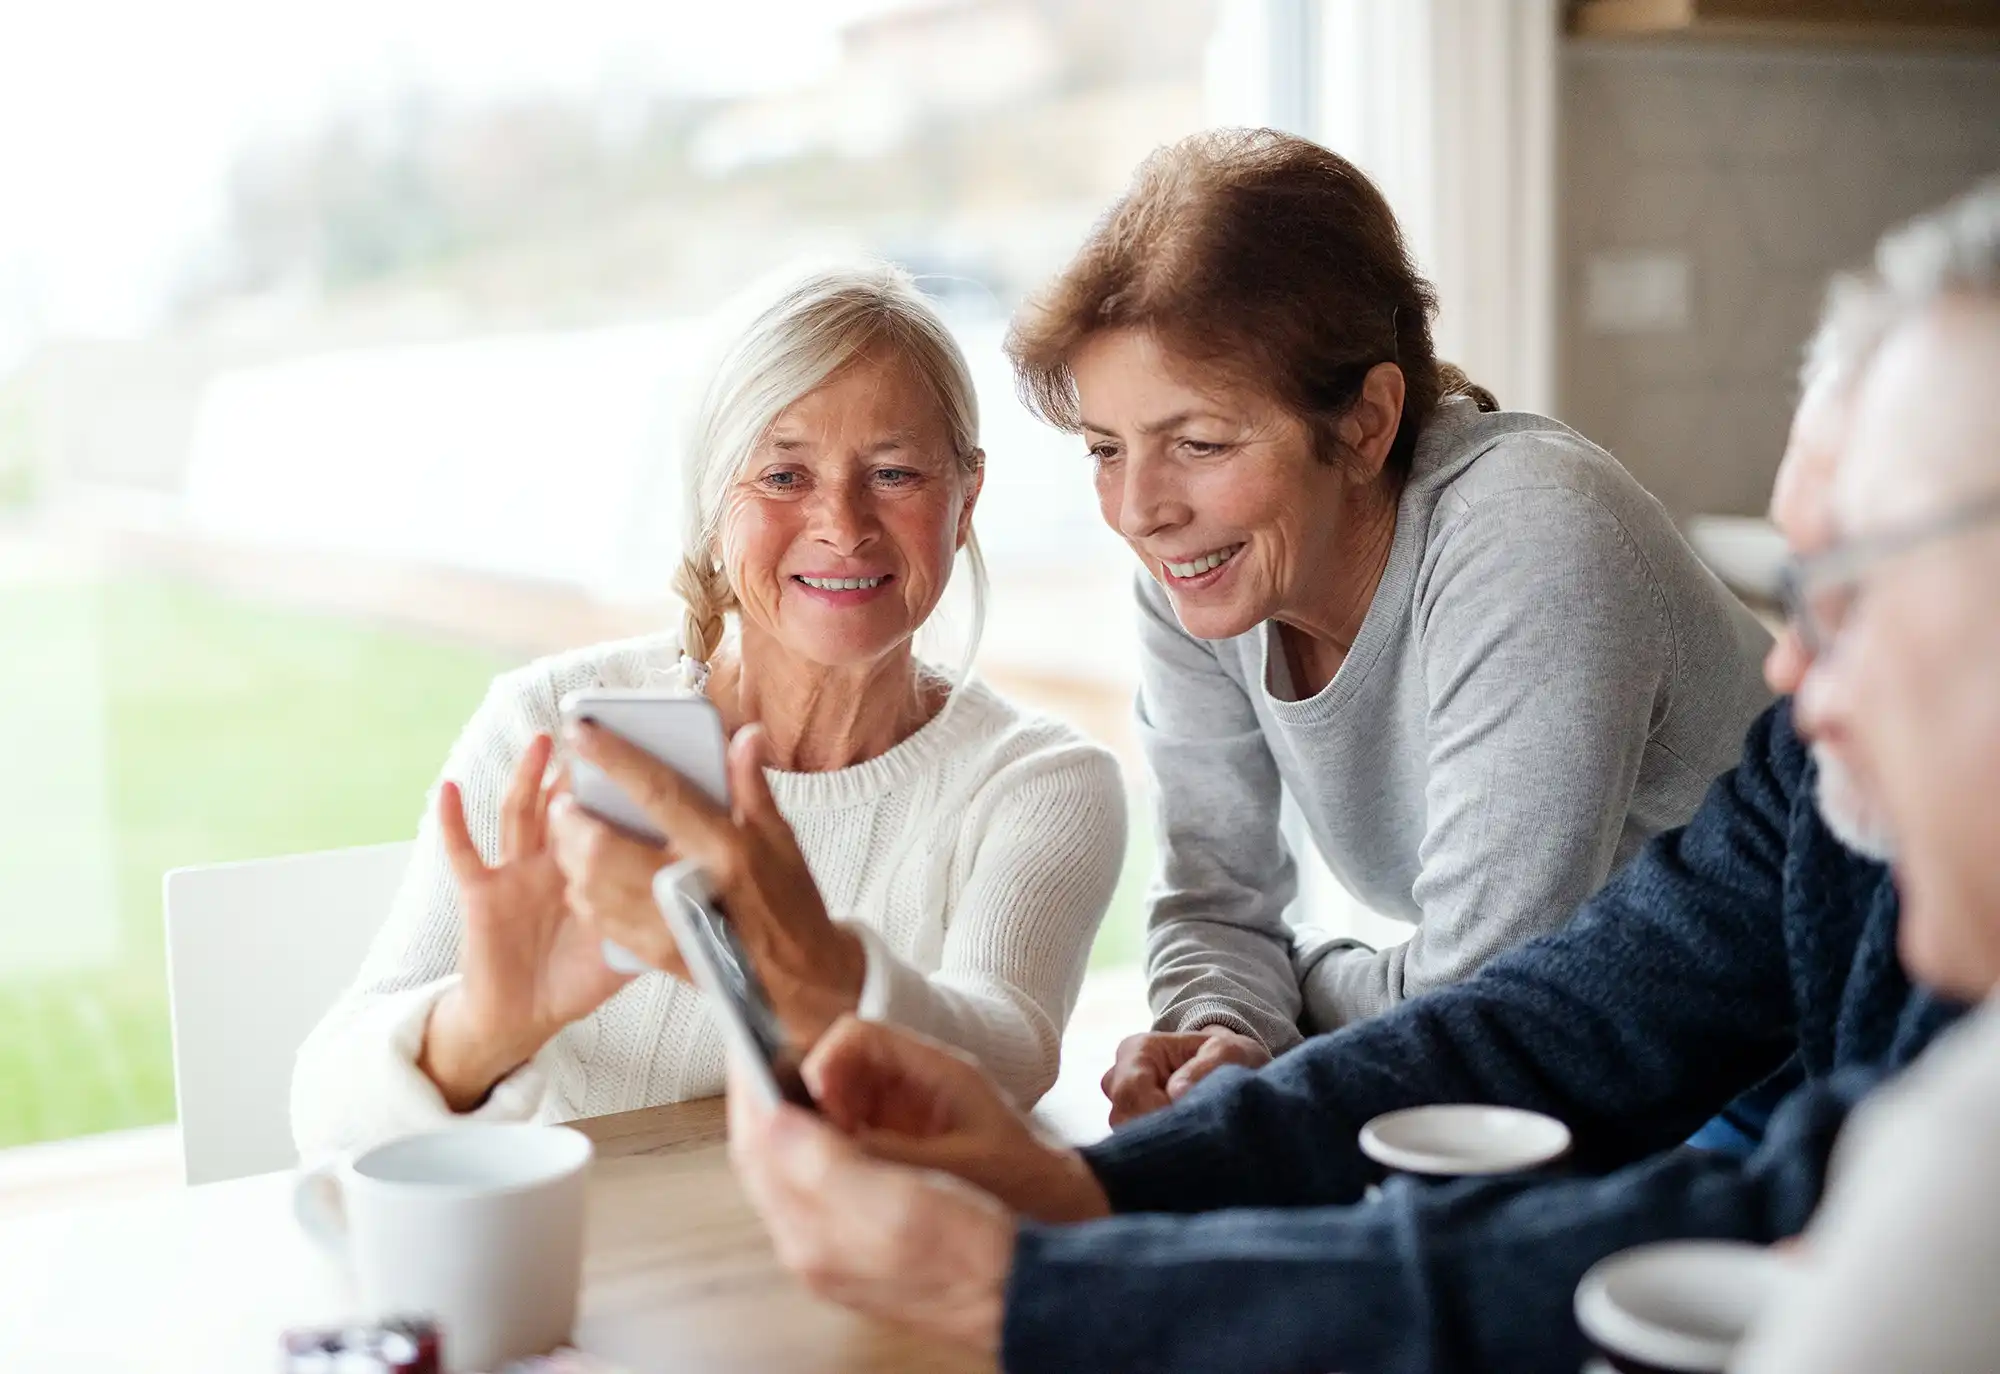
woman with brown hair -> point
(1477, 655)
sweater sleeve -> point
(356, 1078)
(1433, 1278)
(1547, 655)
(1218, 948)
(1667, 996)
(1047, 835)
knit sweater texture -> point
(975, 859)
(1724, 949)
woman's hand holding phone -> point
(811, 968)
(608, 883)
(529, 964)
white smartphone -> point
(722, 969)
(683, 732)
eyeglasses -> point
(1818, 591)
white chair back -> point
(256, 953)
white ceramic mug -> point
(1456, 1140)
(1678, 1307)
(479, 1227)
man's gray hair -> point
(1953, 250)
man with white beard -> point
(1802, 507)
(1902, 1266)
(1799, 506)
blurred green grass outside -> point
(223, 730)
(229, 731)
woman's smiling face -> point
(839, 535)
(1214, 486)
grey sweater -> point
(1545, 678)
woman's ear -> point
(1368, 430)
(975, 482)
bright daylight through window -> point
(343, 358)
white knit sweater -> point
(975, 859)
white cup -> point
(1678, 1306)
(1456, 1140)
(479, 1227)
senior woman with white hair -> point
(965, 850)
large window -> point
(341, 357)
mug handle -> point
(319, 1207)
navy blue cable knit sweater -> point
(1721, 950)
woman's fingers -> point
(466, 864)
(749, 792)
(612, 869)
(608, 884)
(1224, 1046)
(1136, 1082)
(700, 829)
(1206, 1061)
(1135, 1095)
(579, 841)
(638, 928)
(558, 787)
(518, 808)
(572, 831)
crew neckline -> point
(965, 714)
(1389, 607)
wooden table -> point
(678, 1275)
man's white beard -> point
(1847, 812)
